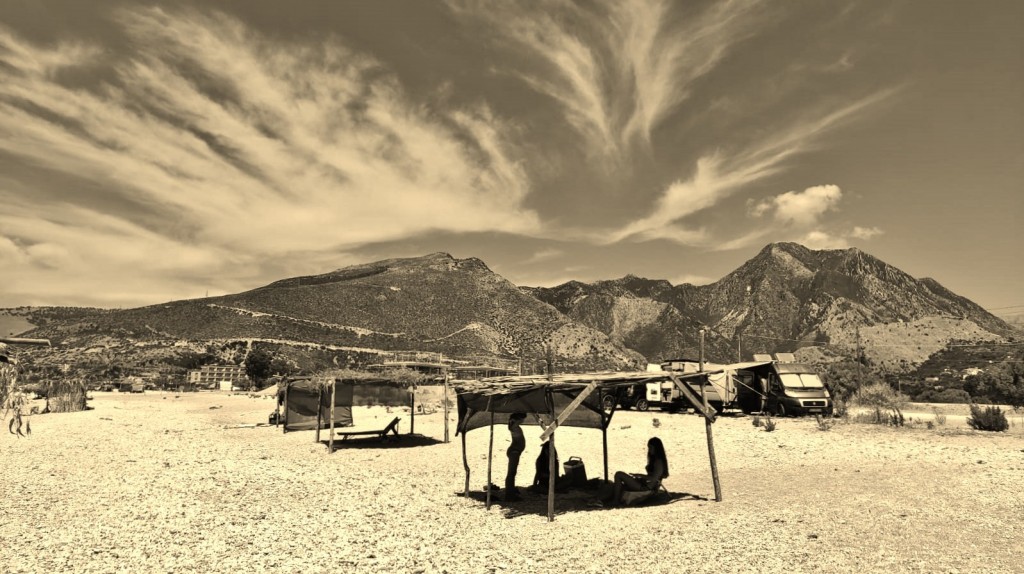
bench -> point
(380, 433)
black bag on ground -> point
(576, 471)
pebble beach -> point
(199, 482)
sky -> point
(159, 151)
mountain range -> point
(822, 304)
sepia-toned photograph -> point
(511, 287)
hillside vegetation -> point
(830, 306)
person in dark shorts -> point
(515, 450)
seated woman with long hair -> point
(657, 470)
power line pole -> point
(860, 361)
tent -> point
(267, 392)
(309, 403)
(560, 400)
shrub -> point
(896, 418)
(940, 419)
(12, 400)
(881, 397)
(65, 396)
(992, 418)
(757, 421)
(945, 396)
(824, 424)
(769, 425)
(866, 418)
(840, 409)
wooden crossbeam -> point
(706, 410)
(23, 341)
(568, 410)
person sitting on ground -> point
(542, 474)
(541, 467)
(657, 470)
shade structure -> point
(306, 401)
(563, 400)
(302, 408)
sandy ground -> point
(165, 483)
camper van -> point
(132, 385)
(718, 388)
(782, 388)
(777, 385)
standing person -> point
(515, 450)
(657, 470)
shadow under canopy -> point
(560, 400)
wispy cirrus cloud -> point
(616, 69)
(664, 59)
(220, 146)
(544, 255)
(619, 70)
(720, 174)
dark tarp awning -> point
(475, 409)
(545, 397)
(304, 396)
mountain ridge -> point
(785, 298)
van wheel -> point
(641, 405)
(609, 402)
(780, 409)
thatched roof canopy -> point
(569, 382)
(492, 400)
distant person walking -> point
(515, 450)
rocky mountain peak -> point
(785, 297)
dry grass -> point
(166, 483)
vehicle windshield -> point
(801, 381)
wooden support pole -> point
(284, 424)
(604, 443)
(444, 400)
(490, 450)
(707, 426)
(412, 409)
(688, 394)
(465, 465)
(714, 463)
(319, 410)
(552, 473)
(330, 441)
(709, 417)
(568, 410)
